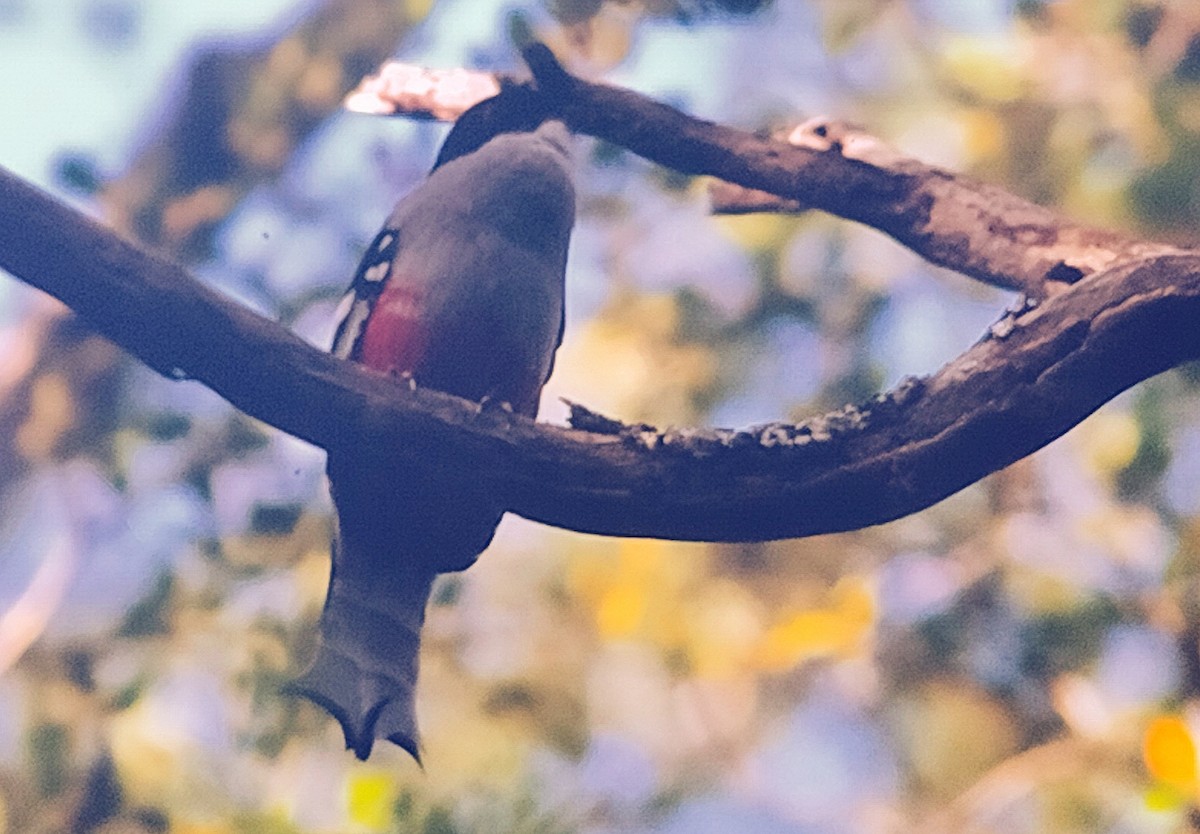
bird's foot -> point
(490, 404)
(405, 378)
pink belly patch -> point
(395, 338)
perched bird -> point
(462, 291)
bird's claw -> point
(493, 404)
(407, 378)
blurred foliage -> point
(243, 112)
(1021, 658)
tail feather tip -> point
(360, 725)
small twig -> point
(727, 198)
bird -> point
(462, 291)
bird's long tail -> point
(365, 670)
(396, 533)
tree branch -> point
(971, 227)
(950, 220)
(1042, 370)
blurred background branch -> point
(242, 110)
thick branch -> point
(1042, 371)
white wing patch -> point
(377, 273)
(355, 307)
(352, 312)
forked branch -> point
(1125, 311)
